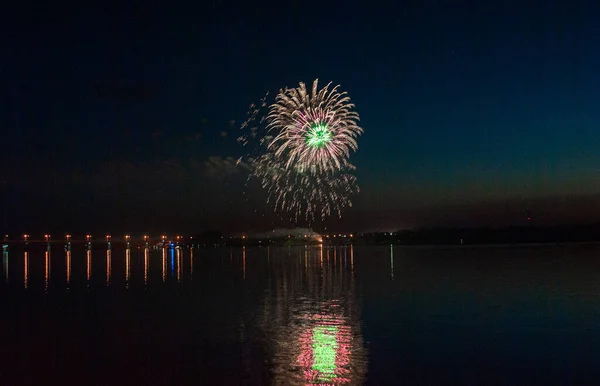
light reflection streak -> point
(127, 267)
(306, 262)
(392, 260)
(5, 263)
(352, 259)
(334, 255)
(68, 263)
(47, 273)
(108, 266)
(25, 269)
(178, 265)
(244, 261)
(172, 262)
(321, 254)
(89, 265)
(191, 262)
(145, 266)
(316, 344)
(326, 350)
(164, 264)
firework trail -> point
(300, 148)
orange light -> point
(127, 237)
(145, 237)
(88, 237)
(351, 235)
(68, 237)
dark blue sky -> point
(119, 116)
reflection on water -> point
(178, 265)
(312, 317)
(164, 265)
(25, 268)
(191, 262)
(326, 350)
(309, 314)
(244, 261)
(47, 269)
(68, 265)
(172, 252)
(127, 267)
(108, 266)
(5, 263)
(392, 261)
(88, 260)
(302, 315)
(146, 252)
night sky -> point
(124, 116)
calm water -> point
(343, 315)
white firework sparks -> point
(314, 130)
(301, 150)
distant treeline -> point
(217, 239)
(435, 236)
(511, 235)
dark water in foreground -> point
(301, 315)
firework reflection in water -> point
(312, 319)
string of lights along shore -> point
(48, 238)
(300, 150)
(163, 239)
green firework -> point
(318, 135)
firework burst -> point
(300, 149)
(313, 130)
(301, 193)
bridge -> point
(89, 239)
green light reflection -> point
(324, 345)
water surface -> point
(300, 315)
